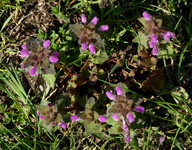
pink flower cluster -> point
(157, 34)
(87, 39)
(124, 115)
(36, 53)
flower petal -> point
(46, 44)
(102, 118)
(75, 118)
(33, 71)
(119, 90)
(110, 95)
(140, 109)
(24, 47)
(92, 48)
(104, 28)
(95, 20)
(24, 53)
(63, 125)
(155, 50)
(130, 117)
(56, 54)
(83, 18)
(146, 15)
(84, 46)
(41, 117)
(128, 139)
(53, 59)
(116, 117)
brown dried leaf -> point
(155, 81)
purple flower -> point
(110, 95)
(75, 118)
(116, 117)
(125, 127)
(37, 56)
(104, 28)
(46, 44)
(33, 71)
(92, 48)
(41, 117)
(24, 53)
(84, 46)
(128, 139)
(140, 109)
(53, 59)
(154, 38)
(146, 15)
(95, 20)
(49, 104)
(155, 50)
(56, 54)
(167, 35)
(102, 118)
(151, 44)
(162, 139)
(119, 90)
(54, 123)
(24, 47)
(83, 18)
(63, 125)
(130, 117)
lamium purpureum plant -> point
(154, 34)
(123, 111)
(87, 33)
(38, 58)
(50, 116)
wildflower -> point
(75, 118)
(116, 117)
(155, 50)
(162, 139)
(92, 48)
(119, 90)
(63, 125)
(95, 20)
(110, 95)
(139, 109)
(146, 15)
(167, 35)
(122, 110)
(125, 127)
(83, 18)
(104, 28)
(102, 118)
(49, 104)
(54, 123)
(128, 139)
(87, 34)
(36, 55)
(41, 117)
(84, 46)
(130, 117)
(155, 32)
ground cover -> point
(95, 74)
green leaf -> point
(142, 39)
(49, 79)
(167, 50)
(90, 103)
(100, 57)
